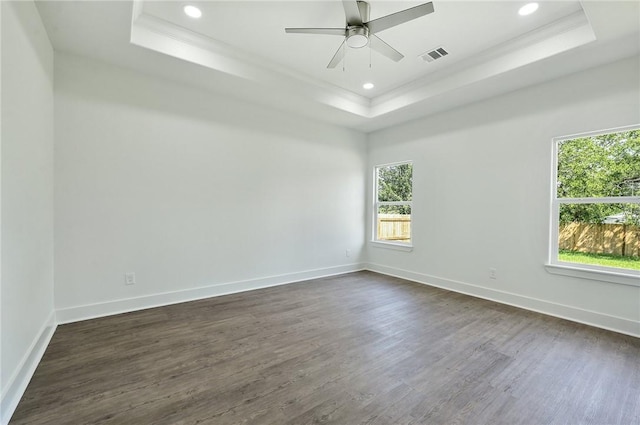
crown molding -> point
(170, 39)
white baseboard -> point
(92, 311)
(19, 381)
(587, 317)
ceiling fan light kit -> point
(359, 31)
(357, 37)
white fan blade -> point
(352, 12)
(337, 58)
(398, 18)
(325, 31)
(383, 48)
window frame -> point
(586, 271)
(401, 246)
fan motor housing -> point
(357, 37)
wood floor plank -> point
(360, 348)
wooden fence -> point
(615, 239)
(394, 227)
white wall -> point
(27, 197)
(190, 190)
(482, 194)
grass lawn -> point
(606, 260)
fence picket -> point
(394, 227)
(614, 239)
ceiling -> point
(464, 29)
(240, 48)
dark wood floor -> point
(356, 349)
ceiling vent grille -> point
(434, 54)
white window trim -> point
(584, 271)
(399, 246)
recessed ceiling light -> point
(368, 86)
(528, 9)
(192, 11)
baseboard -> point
(92, 311)
(19, 381)
(587, 317)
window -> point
(596, 203)
(392, 210)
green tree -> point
(599, 166)
(395, 185)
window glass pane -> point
(394, 223)
(599, 166)
(394, 183)
(613, 240)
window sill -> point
(631, 278)
(391, 245)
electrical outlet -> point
(347, 253)
(129, 278)
(493, 273)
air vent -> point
(434, 54)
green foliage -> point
(394, 209)
(395, 185)
(599, 166)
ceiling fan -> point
(360, 31)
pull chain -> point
(344, 56)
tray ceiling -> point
(242, 44)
